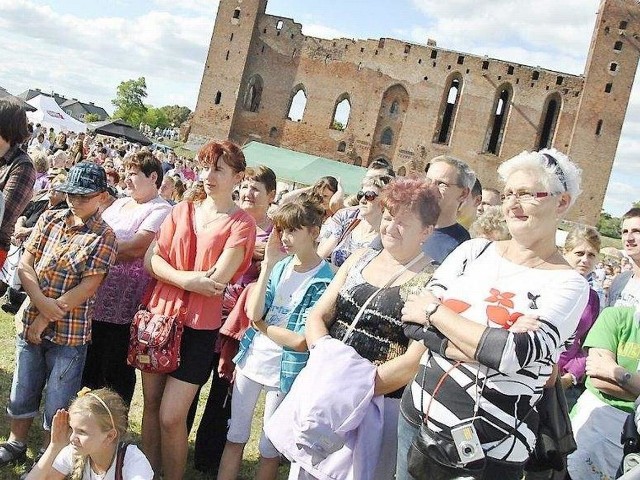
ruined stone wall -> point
(404, 87)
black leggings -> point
(212, 430)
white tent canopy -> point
(49, 114)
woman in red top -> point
(200, 248)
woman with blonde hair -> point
(89, 441)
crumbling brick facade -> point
(409, 103)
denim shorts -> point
(56, 367)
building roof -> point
(301, 167)
(5, 94)
(32, 93)
(88, 107)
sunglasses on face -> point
(369, 196)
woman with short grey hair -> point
(491, 322)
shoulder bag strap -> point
(122, 450)
(392, 279)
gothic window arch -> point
(549, 120)
(253, 93)
(341, 113)
(297, 104)
(499, 117)
(449, 109)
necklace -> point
(535, 265)
(217, 216)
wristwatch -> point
(429, 310)
(624, 379)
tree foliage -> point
(608, 226)
(91, 117)
(129, 101)
(176, 114)
(155, 117)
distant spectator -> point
(17, 173)
(491, 225)
(60, 142)
(168, 189)
(41, 164)
(468, 210)
(454, 179)
(490, 197)
(40, 143)
(625, 287)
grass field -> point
(7, 347)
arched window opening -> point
(448, 112)
(613, 67)
(298, 104)
(341, 113)
(617, 46)
(549, 122)
(253, 94)
(279, 25)
(498, 121)
(358, 162)
(273, 132)
(236, 13)
(342, 147)
(387, 137)
(218, 98)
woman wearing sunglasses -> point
(353, 228)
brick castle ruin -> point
(358, 100)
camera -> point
(467, 443)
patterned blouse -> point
(378, 337)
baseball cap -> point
(84, 178)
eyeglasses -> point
(369, 196)
(81, 198)
(442, 185)
(524, 196)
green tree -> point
(129, 101)
(176, 114)
(91, 117)
(155, 117)
(608, 226)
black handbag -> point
(554, 440)
(432, 456)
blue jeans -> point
(406, 433)
(58, 367)
(493, 470)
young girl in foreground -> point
(97, 423)
(274, 350)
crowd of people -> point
(408, 331)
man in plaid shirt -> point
(66, 258)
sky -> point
(84, 48)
